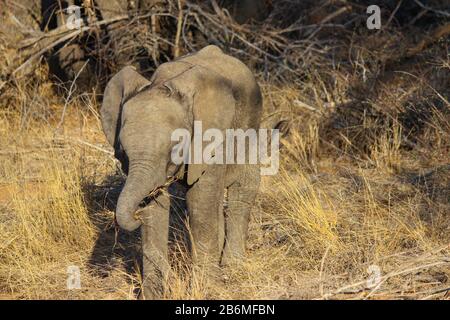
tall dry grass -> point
(317, 228)
(310, 235)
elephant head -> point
(139, 116)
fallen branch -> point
(176, 50)
(62, 35)
(45, 42)
(383, 279)
(87, 144)
(439, 12)
(428, 40)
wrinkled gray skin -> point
(208, 86)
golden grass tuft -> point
(311, 213)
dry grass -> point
(363, 185)
(313, 232)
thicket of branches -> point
(294, 44)
(293, 37)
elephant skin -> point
(138, 118)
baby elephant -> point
(139, 117)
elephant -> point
(138, 117)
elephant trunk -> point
(140, 182)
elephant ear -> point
(123, 85)
(214, 105)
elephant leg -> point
(155, 232)
(241, 197)
(205, 205)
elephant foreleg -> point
(241, 197)
(205, 204)
(155, 231)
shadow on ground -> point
(114, 246)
